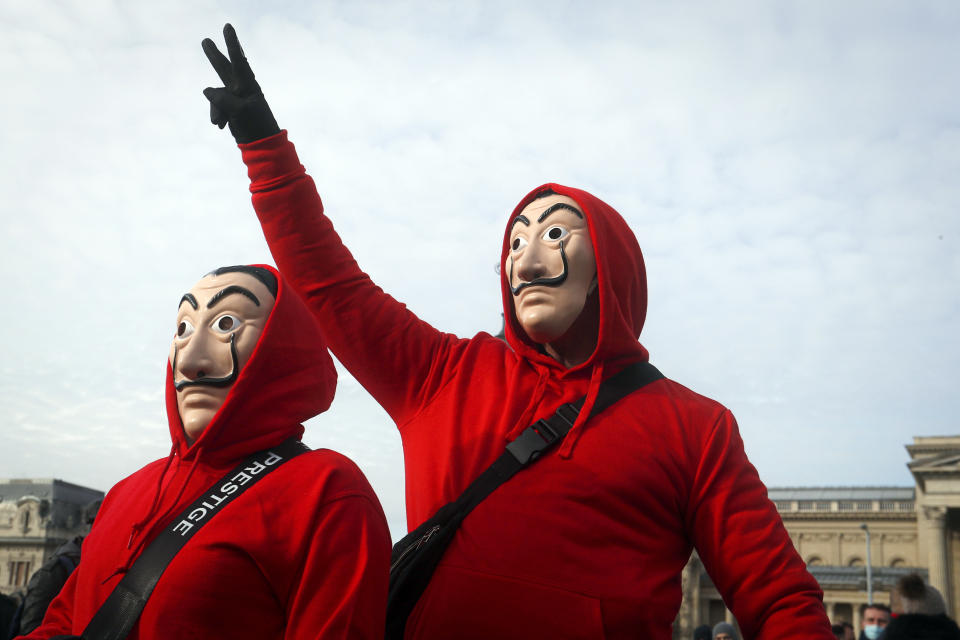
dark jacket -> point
(8, 613)
(915, 626)
(46, 583)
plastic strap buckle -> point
(538, 437)
(531, 443)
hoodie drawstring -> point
(593, 388)
(138, 527)
(183, 485)
(526, 418)
(596, 378)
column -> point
(856, 618)
(830, 611)
(936, 518)
(695, 590)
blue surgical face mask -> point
(872, 631)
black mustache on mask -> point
(554, 281)
(226, 381)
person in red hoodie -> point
(304, 552)
(590, 541)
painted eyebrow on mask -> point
(188, 297)
(226, 291)
(556, 207)
(520, 218)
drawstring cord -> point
(137, 527)
(596, 378)
(593, 388)
(139, 524)
(183, 485)
(527, 417)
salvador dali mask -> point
(552, 268)
(219, 323)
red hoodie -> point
(590, 541)
(304, 553)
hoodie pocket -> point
(466, 604)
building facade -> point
(36, 517)
(841, 531)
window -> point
(842, 612)
(805, 505)
(814, 561)
(783, 505)
(855, 562)
(718, 611)
(906, 506)
(823, 506)
(864, 505)
(886, 505)
(845, 505)
(19, 574)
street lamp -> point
(869, 568)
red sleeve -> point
(59, 617)
(397, 357)
(342, 592)
(745, 547)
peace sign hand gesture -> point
(240, 102)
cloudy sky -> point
(790, 169)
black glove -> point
(240, 103)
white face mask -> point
(872, 631)
(551, 266)
(219, 323)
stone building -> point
(36, 517)
(910, 529)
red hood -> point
(621, 278)
(288, 379)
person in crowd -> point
(9, 606)
(625, 496)
(47, 581)
(874, 617)
(702, 632)
(303, 551)
(725, 631)
(919, 612)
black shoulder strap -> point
(119, 612)
(546, 433)
(415, 557)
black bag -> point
(413, 562)
(415, 557)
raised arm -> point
(398, 358)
